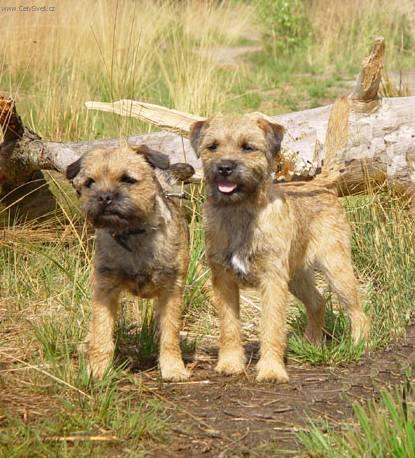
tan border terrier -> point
(142, 245)
(270, 237)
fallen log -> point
(370, 140)
(23, 155)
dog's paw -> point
(174, 371)
(271, 370)
(97, 370)
(231, 363)
(98, 363)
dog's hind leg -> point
(303, 287)
(336, 264)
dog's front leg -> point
(169, 311)
(226, 298)
(274, 295)
(100, 339)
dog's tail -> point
(337, 139)
(180, 171)
(171, 178)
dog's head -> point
(118, 187)
(238, 154)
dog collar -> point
(122, 237)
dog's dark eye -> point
(89, 182)
(212, 147)
(246, 147)
(127, 179)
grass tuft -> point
(383, 428)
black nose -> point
(105, 198)
(226, 167)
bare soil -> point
(229, 57)
(214, 416)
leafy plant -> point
(284, 24)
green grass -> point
(137, 343)
(384, 428)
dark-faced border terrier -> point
(270, 237)
(142, 245)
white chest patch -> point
(239, 265)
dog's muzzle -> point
(224, 170)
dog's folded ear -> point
(73, 169)
(196, 134)
(155, 158)
(274, 133)
(181, 171)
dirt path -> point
(230, 56)
(217, 416)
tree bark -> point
(368, 140)
(24, 191)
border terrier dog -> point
(141, 245)
(270, 237)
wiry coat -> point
(298, 217)
(150, 260)
(142, 245)
(270, 237)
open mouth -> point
(227, 187)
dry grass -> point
(391, 87)
(53, 62)
(344, 30)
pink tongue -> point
(226, 186)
